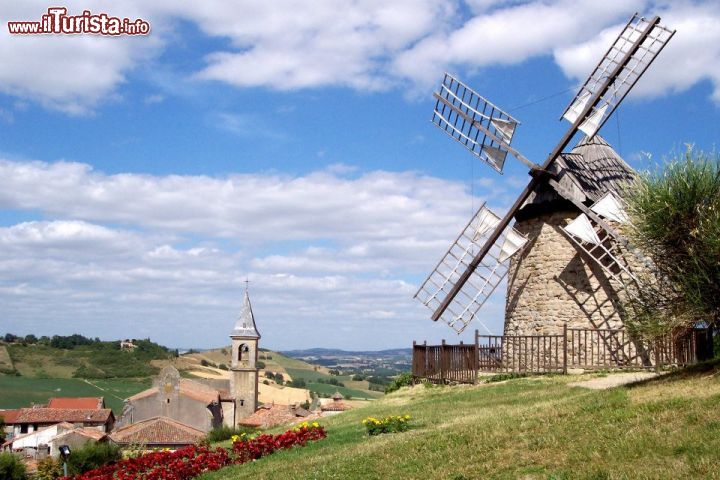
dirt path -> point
(615, 380)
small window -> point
(168, 400)
(242, 402)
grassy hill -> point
(90, 359)
(524, 428)
(317, 377)
(22, 391)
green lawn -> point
(534, 428)
(22, 391)
(331, 389)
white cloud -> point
(693, 54)
(332, 260)
(71, 73)
(365, 45)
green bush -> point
(223, 433)
(91, 456)
(11, 467)
(261, 365)
(49, 469)
(402, 380)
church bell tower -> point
(243, 364)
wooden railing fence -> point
(574, 348)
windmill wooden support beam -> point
(589, 106)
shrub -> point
(11, 467)
(261, 365)
(49, 469)
(223, 433)
(402, 380)
(390, 424)
(222, 366)
(92, 456)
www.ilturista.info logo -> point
(57, 21)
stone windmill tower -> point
(553, 282)
(243, 364)
(565, 258)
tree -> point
(675, 218)
(31, 339)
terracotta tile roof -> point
(335, 406)
(188, 388)
(268, 416)
(91, 433)
(157, 431)
(76, 402)
(198, 391)
(9, 416)
(145, 393)
(57, 415)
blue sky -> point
(143, 179)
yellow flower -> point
(234, 438)
(315, 424)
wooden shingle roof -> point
(589, 171)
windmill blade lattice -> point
(602, 248)
(477, 124)
(645, 51)
(483, 280)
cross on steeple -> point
(247, 283)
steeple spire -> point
(245, 325)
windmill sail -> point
(483, 280)
(602, 248)
(610, 207)
(477, 124)
(641, 38)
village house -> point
(28, 420)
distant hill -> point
(335, 352)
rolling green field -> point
(529, 428)
(18, 392)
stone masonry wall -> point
(550, 283)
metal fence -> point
(574, 348)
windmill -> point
(565, 253)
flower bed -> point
(189, 462)
(390, 424)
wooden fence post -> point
(565, 348)
(442, 361)
(476, 355)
